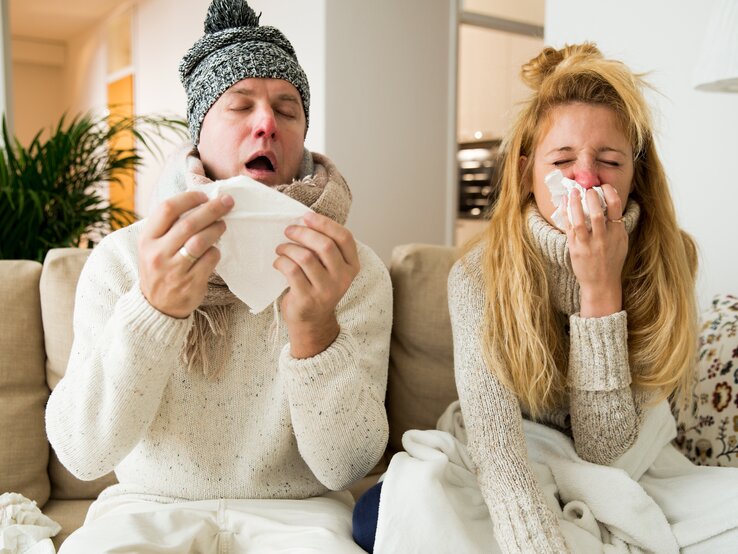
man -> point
(220, 440)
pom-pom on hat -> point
(235, 47)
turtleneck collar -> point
(552, 243)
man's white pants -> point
(128, 524)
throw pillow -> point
(708, 434)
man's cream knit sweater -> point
(603, 412)
(270, 426)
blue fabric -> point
(366, 513)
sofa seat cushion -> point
(70, 514)
(708, 433)
(23, 391)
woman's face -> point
(587, 143)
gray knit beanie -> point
(235, 47)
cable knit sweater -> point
(603, 412)
(270, 426)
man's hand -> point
(597, 256)
(319, 266)
(173, 283)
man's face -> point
(255, 128)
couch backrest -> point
(58, 285)
(421, 380)
(24, 451)
(421, 377)
(35, 341)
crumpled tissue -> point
(254, 228)
(24, 529)
(561, 187)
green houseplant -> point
(50, 191)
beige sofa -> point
(36, 338)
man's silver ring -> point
(186, 254)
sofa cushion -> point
(62, 267)
(23, 392)
(708, 433)
(421, 378)
(70, 514)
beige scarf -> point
(319, 186)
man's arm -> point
(132, 315)
(337, 393)
(123, 354)
(319, 266)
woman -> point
(581, 331)
(582, 328)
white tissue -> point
(24, 529)
(561, 187)
(254, 228)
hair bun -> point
(227, 14)
(537, 69)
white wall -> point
(697, 131)
(388, 128)
(490, 91)
(165, 29)
(37, 68)
(34, 108)
(528, 11)
(85, 73)
(381, 105)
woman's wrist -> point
(600, 301)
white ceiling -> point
(56, 20)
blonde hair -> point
(524, 342)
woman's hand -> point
(597, 256)
(319, 265)
(175, 280)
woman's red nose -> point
(587, 179)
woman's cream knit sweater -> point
(603, 412)
(270, 426)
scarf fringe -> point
(209, 322)
(275, 326)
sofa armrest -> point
(23, 391)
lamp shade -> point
(717, 64)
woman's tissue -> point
(561, 187)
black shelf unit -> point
(478, 165)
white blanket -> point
(652, 499)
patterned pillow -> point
(708, 435)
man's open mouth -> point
(260, 163)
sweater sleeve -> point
(337, 397)
(522, 519)
(604, 414)
(123, 354)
